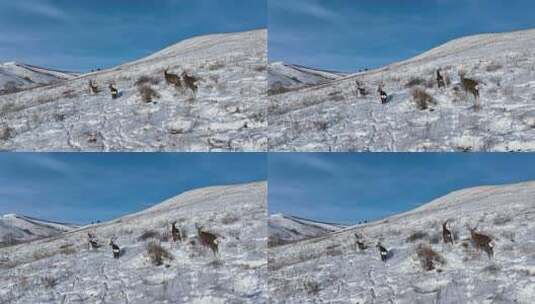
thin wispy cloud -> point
(42, 8)
(86, 35)
(311, 8)
(351, 187)
(84, 187)
(349, 35)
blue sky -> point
(85, 187)
(348, 35)
(350, 187)
(85, 35)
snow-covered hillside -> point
(16, 77)
(331, 268)
(284, 229)
(283, 77)
(17, 229)
(227, 113)
(331, 117)
(62, 269)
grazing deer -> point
(440, 79)
(175, 232)
(447, 237)
(190, 81)
(115, 249)
(208, 239)
(471, 86)
(382, 251)
(382, 94)
(92, 241)
(172, 79)
(482, 241)
(93, 88)
(360, 244)
(114, 91)
(361, 90)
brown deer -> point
(361, 90)
(382, 251)
(447, 236)
(93, 88)
(440, 79)
(172, 79)
(470, 86)
(382, 94)
(482, 241)
(175, 233)
(208, 239)
(190, 81)
(114, 91)
(116, 250)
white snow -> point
(330, 269)
(62, 269)
(230, 104)
(284, 229)
(18, 76)
(330, 117)
(17, 228)
(284, 76)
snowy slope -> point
(63, 270)
(283, 77)
(330, 269)
(17, 228)
(332, 117)
(284, 229)
(17, 76)
(227, 113)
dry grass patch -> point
(312, 287)
(149, 234)
(493, 67)
(429, 258)
(157, 254)
(143, 80)
(67, 249)
(229, 219)
(419, 235)
(42, 254)
(49, 282)
(148, 94)
(277, 89)
(422, 99)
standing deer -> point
(93, 88)
(115, 249)
(114, 91)
(440, 79)
(447, 237)
(361, 90)
(175, 233)
(382, 94)
(482, 241)
(92, 241)
(208, 239)
(172, 79)
(471, 86)
(190, 81)
(360, 244)
(382, 251)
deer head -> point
(112, 240)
